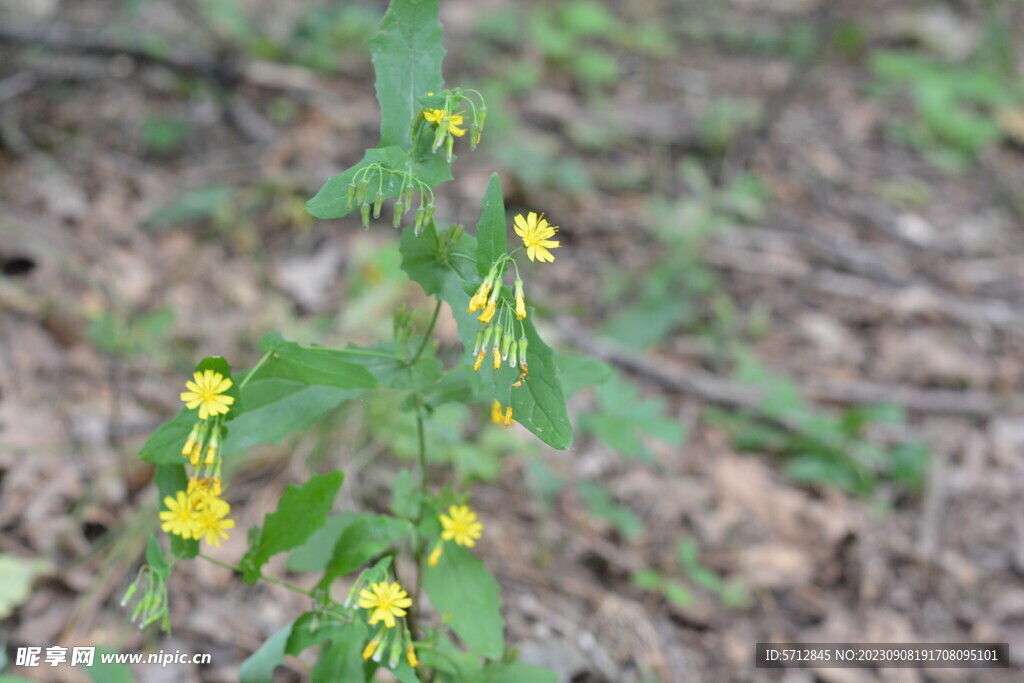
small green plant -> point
(956, 105)
(819, 448)
(504, 366)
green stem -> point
(252, 372)
(279, 582)
(426, 337)
(418, 548)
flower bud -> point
(364, 212)
(449, 143)
(497, 358)
(399, 209)
(407, 201)
(351, 195)
(506, 343)
(361, 191)
(378, 202)
(421, 214)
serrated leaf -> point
(462, 588)
(407, 55)
(491, 231)
(367, 536)
(312, 365)
(300, 512)
(259, 666)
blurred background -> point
(795, 229)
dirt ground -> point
(884, 278)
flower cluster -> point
(502, 333)
(381, 179)
(460, 525)
(386, 601)
(199, 512)
(447, 124)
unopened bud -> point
(361, 192)
(399, 209)
(407, 203)
(351, 195)
(449, 144)
(378, 202)
(421, 214)
(364, 212)
(506, 343)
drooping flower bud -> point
(378, 202)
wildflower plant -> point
(504, 367)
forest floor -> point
(752, 166)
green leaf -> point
(259, 666)
(405, 496)
(169, 480)
(316, 552)
(111, 672)
(461, 587)
(393, 372)
(311, 628)
(340, 660)
(491, 232)
(332, 199)
(312, 365)
(300, 512)
(407, 56)
(276, 407)
(538, 404)
(515, 672)
(156, 560)
(163, 447)
(367, 536)
(579, 372)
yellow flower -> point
(479, 299)
(437, 116)
(410, 654)
(387, 600)
(435, 555)
(461, 525)
(207, 392)
(496, 416)
(209, 523)
(479, 360)
(179, 517)
(535, 232)
(492, 306)
(520, 300)
(497, 358)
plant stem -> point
(418, 548)
(279, 582)
(252, 372)
(426, 335)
